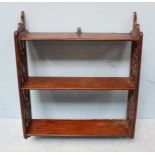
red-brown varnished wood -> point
(107, 128)
(81, 83)
(76, 36)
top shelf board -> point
(75, 36)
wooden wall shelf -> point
(99, 127)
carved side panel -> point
(132, 97)
(24, 76)
(135, 75)
(27, 107)
(134, 64)
(132, 108)
(22, 72)
(23, 61)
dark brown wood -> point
(76, 36)
(133, 95)
(106, 128)
(132, 72)
(135, 66)
(81, 83)
(22, 73)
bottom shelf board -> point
(105, 128)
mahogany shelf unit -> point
(90, 127)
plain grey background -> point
(77, 58)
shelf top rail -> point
(134, 35)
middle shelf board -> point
(79, 83)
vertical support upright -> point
(22, 73)
(135, 65)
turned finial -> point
(136, 27)
(21, 25)
(79, 30)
